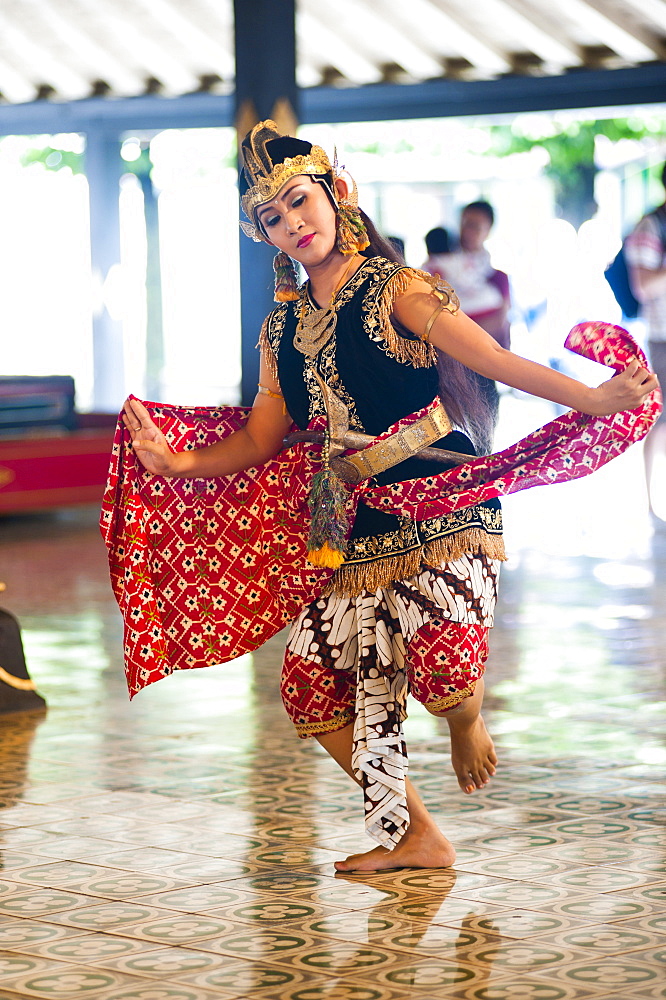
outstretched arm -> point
(255, 443)
(459, 336)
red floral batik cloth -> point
(205, 570)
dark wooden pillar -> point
(103, 170)
(265, 40)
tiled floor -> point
(181, 847)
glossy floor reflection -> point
(181, 847)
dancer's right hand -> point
(148, 442)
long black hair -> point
(460, 388)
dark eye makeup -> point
(272, 220)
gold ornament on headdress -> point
(267, 179)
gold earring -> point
(352, 236)
(286, 284)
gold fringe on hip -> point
(352, 578)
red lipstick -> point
(305, 241)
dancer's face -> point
(300, 220)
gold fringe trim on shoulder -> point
(266, 348)
(352, 578)
(413, 352)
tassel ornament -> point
(286, 284)
(352, 236)
(330, 520)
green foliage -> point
(55, 159)
(570, 148)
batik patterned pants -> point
(354, 659)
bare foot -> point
(472, 752)
(427, 849)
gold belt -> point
(400, 446)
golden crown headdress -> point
(269, 160)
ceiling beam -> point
(480, 52)
(320, 41)
(614, 28)
(535, 29)
(642, 85)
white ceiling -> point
(72, 49)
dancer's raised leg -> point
(423, 845)
(472, 750)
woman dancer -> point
(410, 602)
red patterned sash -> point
(569, 447)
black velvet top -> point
(382, 374)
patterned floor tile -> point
(223, 845)
(167, 965)
(158, 835)
(652, 992)
(520, 956)
(265, 911)
(654, 838)
(436, 939)
(64, 981)
(309, 830)
(210, 869)
(592, 805)
(355, 897)
(593, 827)
(21, 901)
(522, 895)
(523, 817)
(336, 989)
(607, 973)
(24, 934)
(129, 885)
(611, 939)
(438, 909)
(655, 923)
(521, 924)
(433, 881)
(368, 926)
(654, 894)
(603, 852)
(293, 856)
(69, 848)
(112, 916)
(605, 907)
(340, 958)
(515, 842)
(145, 859)
(515, 866)
(16, 860)
(520, 987)
(202, 898)
(178, 929)
(88, 948)
(13, 966)
(434, 975)
(56, 874)
(253, 978)
(603, 879)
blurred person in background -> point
(645, 251)
(483, 290)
